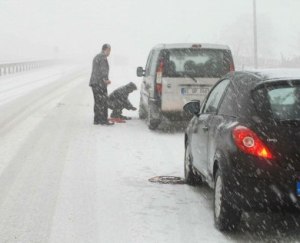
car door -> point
(199, 139)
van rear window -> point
(206, 63)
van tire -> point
(152, 123)
(153, 120)
(142, 111)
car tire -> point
(227, 217)
(142, 111)
(190, 178)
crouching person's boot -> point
(117, 117)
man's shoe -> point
(108, 123)
(125, 117)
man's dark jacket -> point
(118, 99)
(100, 71)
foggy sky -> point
(41, 28)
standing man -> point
(99, 81)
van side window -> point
(147, 69)
(153, 65)
(212, 103)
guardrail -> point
(16, 67)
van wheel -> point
(142, 111)
(226, 216)
(151, 122)
(190, 178)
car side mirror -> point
(211, 109)
(192, 107)
(140, 72)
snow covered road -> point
(62, 179)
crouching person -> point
(118, 100)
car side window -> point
(228, 105)
(153, 64)
(212, 102)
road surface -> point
(63, 179)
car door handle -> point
(205, 128)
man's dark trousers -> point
(100, 106)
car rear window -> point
(283, 101)
(209, 63)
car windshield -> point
(284, 101)
(196, 63)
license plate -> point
(298, 189)
(194, 91)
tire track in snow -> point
(14, 113)
(29, 185)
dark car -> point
(244, 142)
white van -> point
(176, 74)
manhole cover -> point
(167, 180)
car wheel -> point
(190, 177)
(226, 216)
(142, 111)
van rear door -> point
(176, 92)
(189, 74)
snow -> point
(287, 73)
(16, 85)
(63, 179)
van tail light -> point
(248, 142)
(196, 46)
(158, 88)
(159, 73)
(231, 68)
(160, 67)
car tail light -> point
(159, 73)
(248, 142)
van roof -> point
(189, 45)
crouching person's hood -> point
(130, 87)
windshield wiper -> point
(190, 76)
